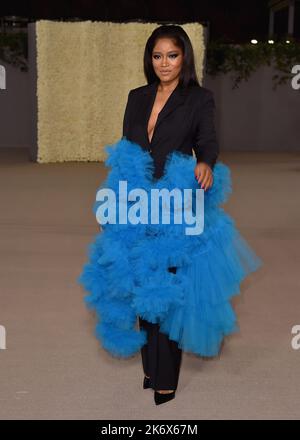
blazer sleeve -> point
(206, 145)
(126, 117)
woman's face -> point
(167, 60)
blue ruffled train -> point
(127, 270)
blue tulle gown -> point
(127, 274)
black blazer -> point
(185, 123)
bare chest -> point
(158, 105)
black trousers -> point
(161, 357)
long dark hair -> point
(188, 74)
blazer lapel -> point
(176, 98)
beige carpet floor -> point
(54, 368)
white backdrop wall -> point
(84, 72)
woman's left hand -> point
(204, 175)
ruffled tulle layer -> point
(127, 271)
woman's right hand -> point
(204, 175)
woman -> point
(168, 65)
(177, 285)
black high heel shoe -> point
(162, 398)
(146, 383)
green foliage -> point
(243, 60)
(13, 49)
